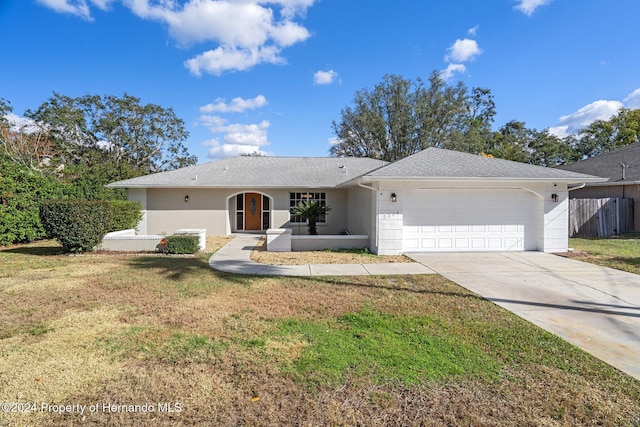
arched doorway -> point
(252, 211)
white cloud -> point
(221, 59)
(237, 138)
(219, 151)
(559, 131)
(324, 77)
(245, 32)
(598, 110)
(472, 31)
(237, 105)
(463, 50)
(529, 6)
(633, 100)
(74, 7)
(451, 69)
(79, 8)
(572, 123)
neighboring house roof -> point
(609, 165)
(437, 163)
(255, 171)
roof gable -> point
(609, 164)
(438, 163)
(251, 171)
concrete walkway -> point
(234, 257)
(592, 307)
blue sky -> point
(270, 76)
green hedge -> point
(78, 225)
(21, 190)
(124, 214)
(182, 244)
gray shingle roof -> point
(247, 171)
(608, 164)
(437, 163)
(328, 172)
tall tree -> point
(515, 141)
(400, 117)
(548, 150)
(511, 142)
(604, 135)
(121, 130)
(25, 142)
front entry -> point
(252, 211)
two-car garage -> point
(445, 201)
(469, 220)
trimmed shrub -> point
(182, 244)
(78, 225)
(21, 190)
(124, 214)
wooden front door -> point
(252, 211)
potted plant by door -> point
(311, 211)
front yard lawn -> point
(620, 252)
(200, 347)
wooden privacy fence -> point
(600, 217)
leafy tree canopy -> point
(119, 130)
(400, 117)
(604, 135)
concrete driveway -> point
(592, 307)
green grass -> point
(361, 350)
(383, 347)
(142, 342)
(622, 253)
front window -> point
(295, 198)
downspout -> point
(578, 187)
(375, 190)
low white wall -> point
(127, 240)
(279, 240)
(321, 242)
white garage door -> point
(469, 220)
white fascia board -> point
(483, 179)
(612, 183)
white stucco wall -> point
(360, 215)
(360, 210)
(165, 210)
(555, 235)
(140, 195)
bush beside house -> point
(182, 244)
(124, 214)
(78, 225)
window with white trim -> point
(295, 198)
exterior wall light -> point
(554, 197)
(186, 198)
(394, 198)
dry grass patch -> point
(60, 363)
(227, 348)
(260, 254)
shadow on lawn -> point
(35, 250)
(178, 268)
(633, 261)
(394, 284)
